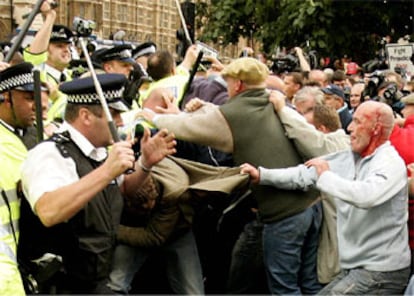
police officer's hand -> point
(254, 173)
(320, 165)
(190, 57)
(194, 105)
(120, 159)
(155, 148)
(48, 7)
(53, 91)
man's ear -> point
(322, 128)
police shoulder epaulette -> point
(60, 139)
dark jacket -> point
(259, 139)
(86, 242)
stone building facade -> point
(135, 20)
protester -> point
(370, 186)
(356, 97)
(325, 136)
(228, 129)
(161, 225)
(74, 187)
(335, 97)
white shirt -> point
(46, 170)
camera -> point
(286, 64)
(207, 50)
(375, 79)
(391, 94)
(83, 27)
(290, 62)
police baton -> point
(38, 103)
(16, 44)
(191, 78)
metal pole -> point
(38, 102)
(22, 33)
(99, 91)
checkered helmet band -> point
(93, 98)
(15, 81)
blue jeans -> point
(290, 251)
(183, 266)
(365, 282)
(246, 274)
(410, 287)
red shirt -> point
(403, 140)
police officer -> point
(141, 53)
(74, 186)
(17, 113)
(50, 51)
(115, 59)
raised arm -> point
(41, 41)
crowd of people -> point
(237, 181)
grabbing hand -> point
(171, 105)
(277, 99)
(320, 165)
(194, 105)
(254, 173)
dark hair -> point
(338, 75)
(297, 77)
(160, 64)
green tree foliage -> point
(331, 27)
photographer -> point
(385, 86)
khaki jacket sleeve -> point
(206, 126)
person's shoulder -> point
(42, 147)
(34, 58)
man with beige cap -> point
(247, 126)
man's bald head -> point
(157, 98)
(371, 127)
